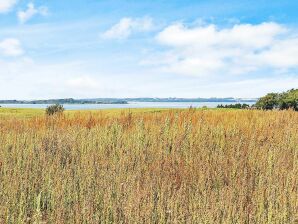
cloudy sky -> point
(161, 48)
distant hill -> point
(230, 99)
(124, 100)
(63, 101)
(173, 99)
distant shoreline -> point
(126, 100)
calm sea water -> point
(129, 105)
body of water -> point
(129, 105)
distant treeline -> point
(234, 106)
(63, 101)
(173, 99)
(123, 100)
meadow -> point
(149, 166)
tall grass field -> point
(164, 166)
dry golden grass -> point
(150, 167)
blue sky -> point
(161, 48)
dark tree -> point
(282, 101)
(268, 102)
(54, 109)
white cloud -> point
(25, 78)
(250, 87)
(243, 35)
(31, 11)
(282, 54)
(11, 47)
(243, 48)
(83, 82)
(6, 5)
(128, 26)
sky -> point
(148, 48)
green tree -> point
(289, 100)
(268, 102)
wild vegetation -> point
(170, 166)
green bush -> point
(268, 102)
(54, 109)
(234, 106)
(282, 101)
(289, 100)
